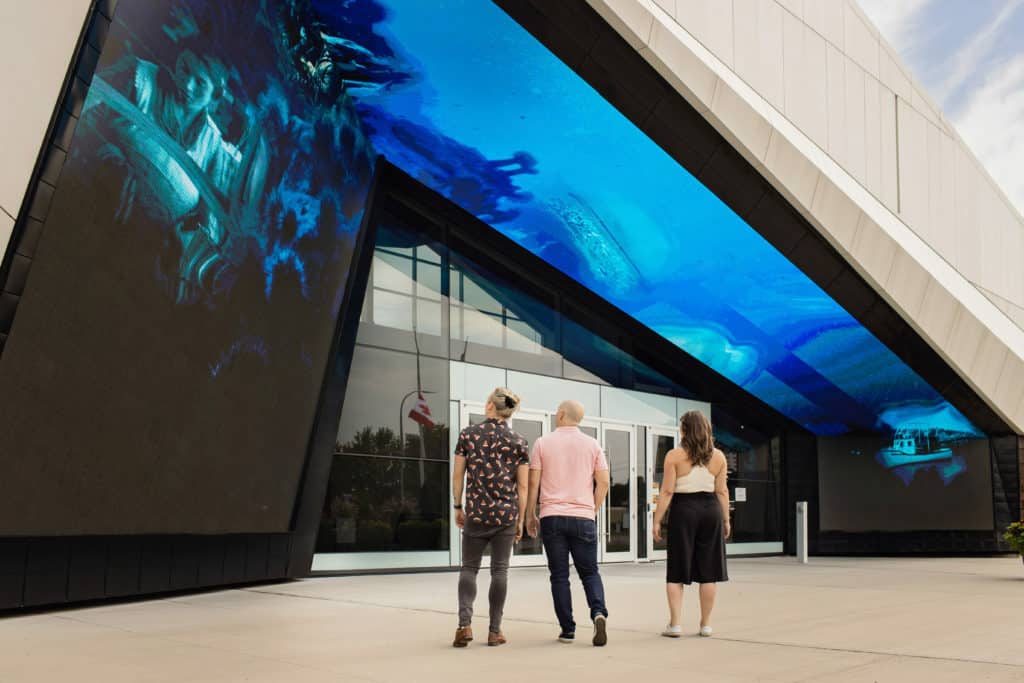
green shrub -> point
(1015, 536)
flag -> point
(421, 412)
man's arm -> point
(522, 486)
(458, 479)
(602, 479)
(722, 489)
(532, 523)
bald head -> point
(570, 413)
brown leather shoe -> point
(494, 639)
(463, 636)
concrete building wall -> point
(37, 43)
(809, 92)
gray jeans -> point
(475, 539)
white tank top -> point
(698, 480)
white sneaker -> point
(705, 631)
(673, 631)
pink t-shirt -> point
(567, 459)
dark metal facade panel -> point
(13, 556)
(124, 557)
(46, 571)
(87, 569)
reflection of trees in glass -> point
(383, 441)
(385, 497)
(372, 441)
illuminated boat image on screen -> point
(913, 445)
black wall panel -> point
(155, 564)
(124, 558)
(46, 571)
(278, 549)
(211, 560)
(87, 569)
(13, 554)
(256, 558)
(185, 563)
(1006, 482)
(800, 483)
(235, 548)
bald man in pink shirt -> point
(569, 476)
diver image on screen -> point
(186, 288)
(243, 175)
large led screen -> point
(918, 480)
(166, 360)
(463, 98)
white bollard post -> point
(801, 531)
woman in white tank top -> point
(696, 498)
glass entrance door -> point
(617, 518)
(660, 441)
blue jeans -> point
(564, 536)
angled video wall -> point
(464, 99)
(167, 356)
(475, 108)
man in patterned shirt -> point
(495, 462)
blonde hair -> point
(505, 401)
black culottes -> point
(696, 540)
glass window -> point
(754, 492)
(662, 445)
(495, 322)
(392, 272)
(616, 448)
(406, 292)
(479, 327)
(531, 430)
(389, 487)
(392, 310)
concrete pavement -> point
(833, 619)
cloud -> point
(965, 61)
(898, 21)
(991, 122)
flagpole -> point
(419, 390)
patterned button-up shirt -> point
(493, 453)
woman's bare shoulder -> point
(718, 459)
(677, 454)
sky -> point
(969, 56)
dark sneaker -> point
(495, 639)
(567, 637)
(463, 635)
(600, 630)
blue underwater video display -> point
(464, 99)
(250, 163)
(186, 288)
